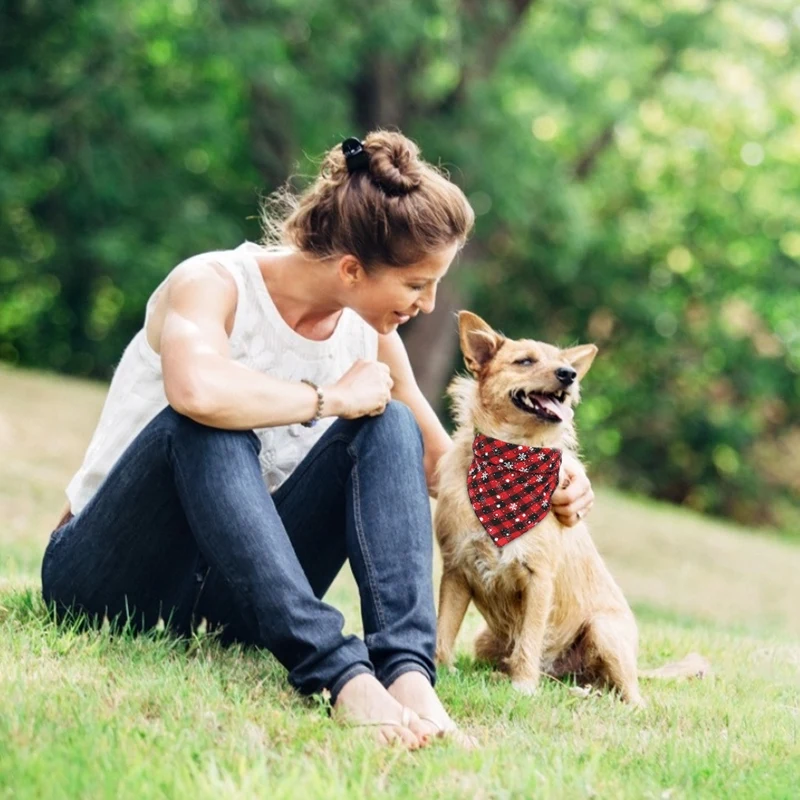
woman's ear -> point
(350, 270)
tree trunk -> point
(378, 100)
(270, 136)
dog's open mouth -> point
(549, 407)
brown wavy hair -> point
(392, 215)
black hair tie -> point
(356, 157)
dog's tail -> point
(691, 666)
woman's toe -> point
(424, 730)
(411, 722)
(406, 737)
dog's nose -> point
(566, 375)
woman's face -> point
(391, 296)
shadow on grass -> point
(24, 613)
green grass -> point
(93, 715)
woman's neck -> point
(305, 292)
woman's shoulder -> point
(225, 264)
(203, 269)
(230, 272)
(202, 281)
(204, 275)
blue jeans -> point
(184, 528)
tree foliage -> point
(635, 170)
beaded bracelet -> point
(320, 403)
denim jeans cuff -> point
(359, 668)
(398, 669)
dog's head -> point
(525, 388)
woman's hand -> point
(574, 497)
(364, 390)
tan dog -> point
(549, 601)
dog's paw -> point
(445, 661)
(448, 667)
(526, 687)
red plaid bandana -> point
(510, 486)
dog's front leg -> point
(524, 663)
(454, 597)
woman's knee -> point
(182, 427)
(396, 427)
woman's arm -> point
(392, 352)
(200, 379)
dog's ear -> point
(580, 357)
(479, 342)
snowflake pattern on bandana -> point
(510, 486)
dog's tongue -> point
(564, 413)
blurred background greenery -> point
(634, 168)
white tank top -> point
(260, 339)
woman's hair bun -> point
(394, 162)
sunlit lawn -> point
(85, 714)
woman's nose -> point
(427, 301)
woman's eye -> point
(525, 362)
(417, 288)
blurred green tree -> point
(634, 170)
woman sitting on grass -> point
(264, 427)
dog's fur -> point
(549, 601)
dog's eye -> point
(525, 362)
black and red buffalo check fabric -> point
(510, 486)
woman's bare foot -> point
(362, 701)
(413, 690)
